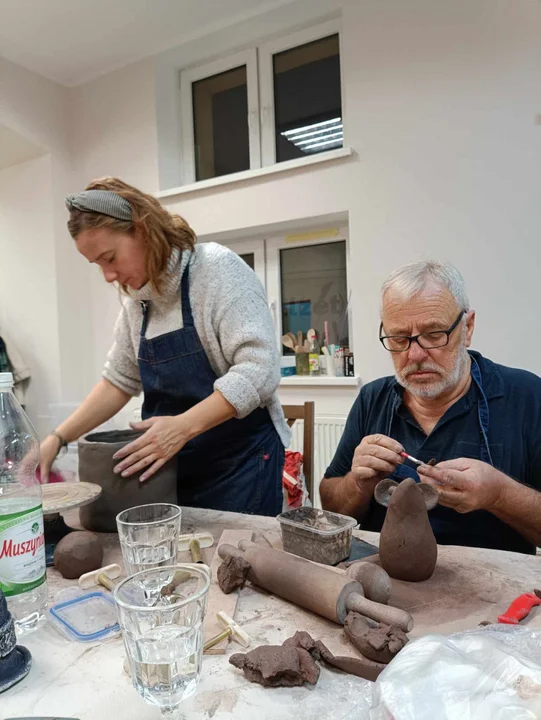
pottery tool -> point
(520, 608)
(216, 599)
(415, 461)
(194, 543)
(60, 497)
(103, 576)
(411, 459)
(288, 342)
(313, 587)
(232, 629)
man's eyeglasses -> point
(428, 341)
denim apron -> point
(444, 520)
(237, 465)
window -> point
(306, 277)
(278, 102)
(307, 99)
(219, 111)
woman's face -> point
(121, 256)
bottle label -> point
(22, 551)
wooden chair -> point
(306, 413)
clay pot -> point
(96, 466)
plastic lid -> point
(6, 380)
(87, 618)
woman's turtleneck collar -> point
(175, 267)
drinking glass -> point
(161, 614)
(148, 536)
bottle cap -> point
(6, 380)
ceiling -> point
(72, 41)
(15, 148)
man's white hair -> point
(410, 280)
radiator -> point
(327, 434)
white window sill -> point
(257, 173)
(321, 381)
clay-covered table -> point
(69, 679)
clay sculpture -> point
(96, 466)
(407, 546)
(78, 553)
(376, 641)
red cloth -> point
(292, 478)
(54, 477)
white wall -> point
(39, 110)
(440, 101)
(114, 133)
(28, 292)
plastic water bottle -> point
(22, 546)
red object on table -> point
(292, 478)
(54, 477)
(520, 608)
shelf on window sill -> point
(320, 381)
(257, 172)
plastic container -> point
(318, 535)
(22, 542)
(86, 618)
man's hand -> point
(375, 458)
(465, 485)
(164, 437)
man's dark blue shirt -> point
(514, 439)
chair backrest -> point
(306, 413)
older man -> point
(480, 421)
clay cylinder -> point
(96, 466)
(310, 586)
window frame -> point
(266, 51)
(201, 72)
(274, 244)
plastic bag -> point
(491, 673)
(295, 493)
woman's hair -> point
(161, 231)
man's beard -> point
(437, 387)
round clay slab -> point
(58, 497)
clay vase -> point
(407, 546)
(96, 466)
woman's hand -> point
(48, 450)
(164, 437)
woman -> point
(196, 336)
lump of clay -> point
(78, 553)
(232, 573)
(376, 641)
(292, 663)
(277, 666)
(407, 546)
(361, 667)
